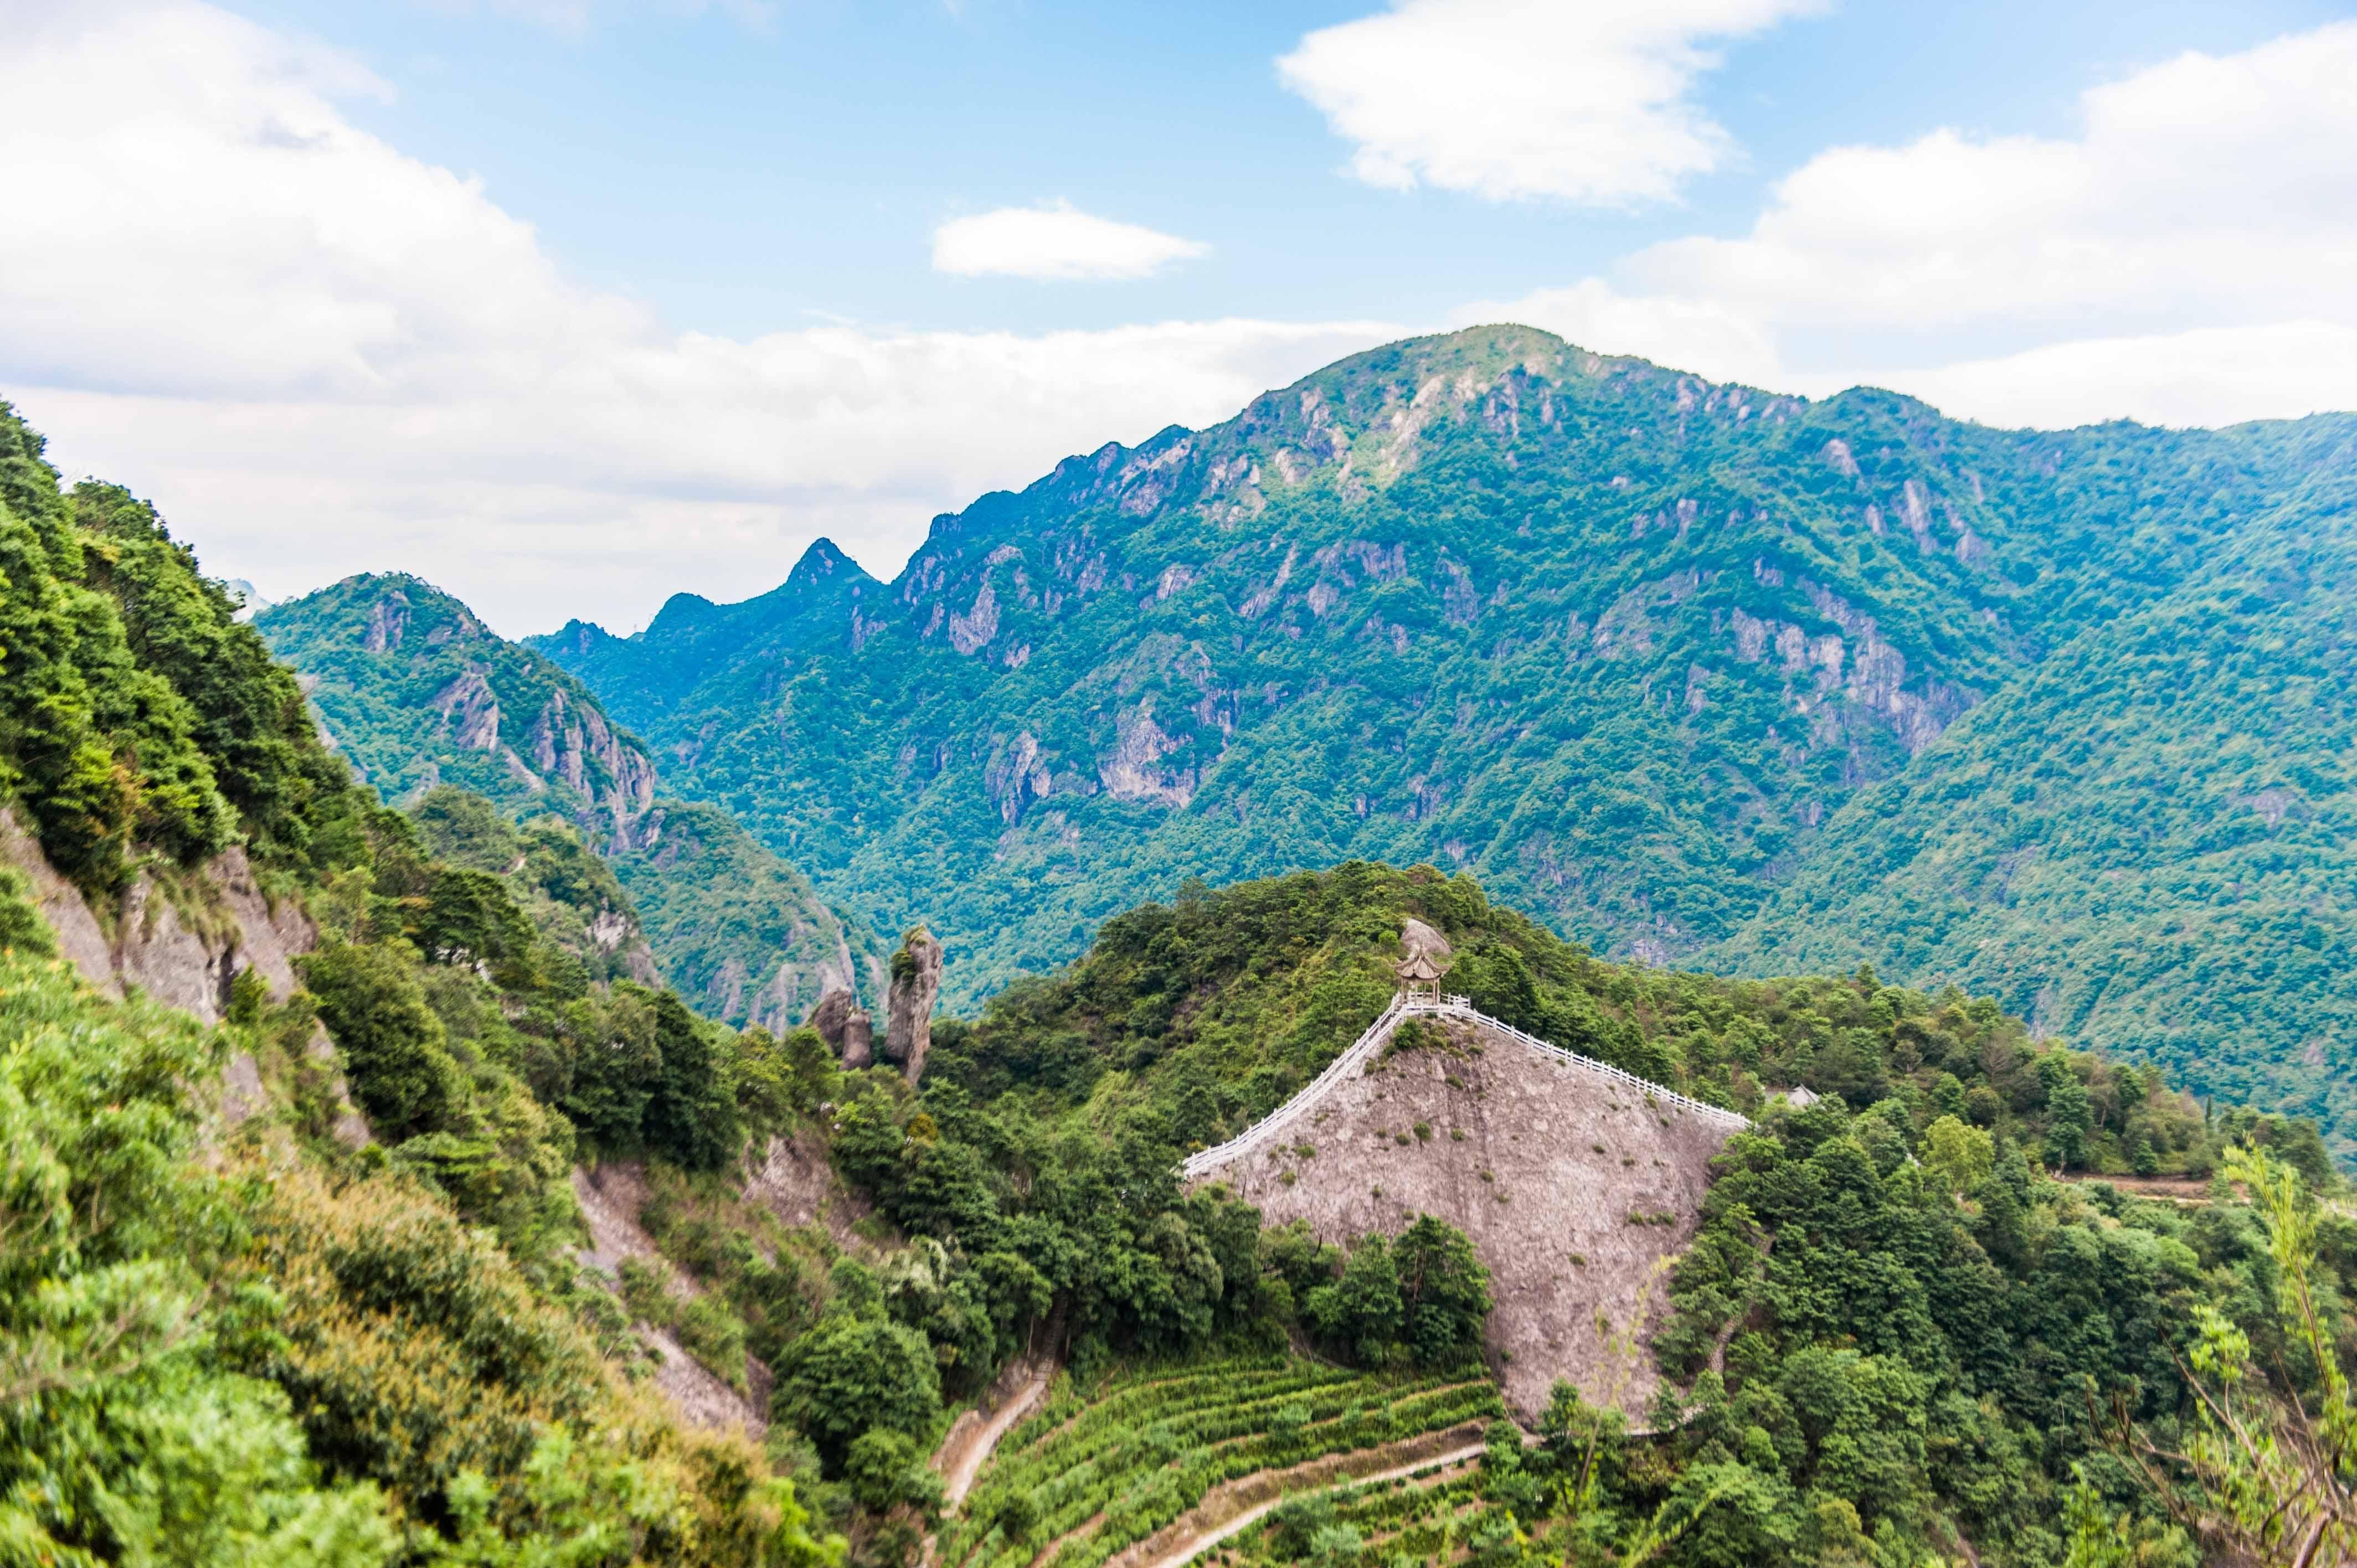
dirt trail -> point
(963, 1453)
(1201, 1528)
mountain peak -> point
(823, 560)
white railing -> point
(1456, 1007)
(1266, 1128)
(1276, 1121)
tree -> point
(691, 1116)
(2069, 1111)
(2265, 1476)
(469, 917)
(1443, 1289)
(1364, 1309)
(394, 1046)
(1962, 1156)
(856, 1371)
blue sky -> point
(571, 304)
(746, 176)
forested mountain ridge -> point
(421, 696)
(2149, 840)
(419, 693)
(1621, 641)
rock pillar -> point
(859, 1039)
(916, 984)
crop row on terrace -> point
(1423, 1518)
(1097, 1470)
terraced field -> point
(1429, 1517)
(1106, 1470)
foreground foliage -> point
(226, 1358)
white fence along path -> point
(1367, 1045)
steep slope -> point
(242, 1324)
(2148, 841)
(1616, 640)
(742, 935)
(1577, 1185)
(418, 693)
(420, 696)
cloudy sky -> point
(568, 304)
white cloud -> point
(2225, 184)
(1591, 102)
(2214, 375)
(1054, 241)
(321, 356)
(2186, 257)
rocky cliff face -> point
(185, 953)
(419, 693)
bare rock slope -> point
(1577, 1185)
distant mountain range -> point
(1710, 676)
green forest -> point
(1918, 1324)
(1699, 674)
(421, 697)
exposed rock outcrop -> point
(185, 958)
(1577, 1187)
(833, 1009)
(859, 1039)
(916, 985)
(845, 1027)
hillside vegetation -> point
(1622, 643)
(234, 1329)
(237, 1325)
(2150, 840)
(421, 696)
(1896, 1325)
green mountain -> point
(1624, 643)
(2149, 840)
(240, 1324)
(422, 697)
(417, 693)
